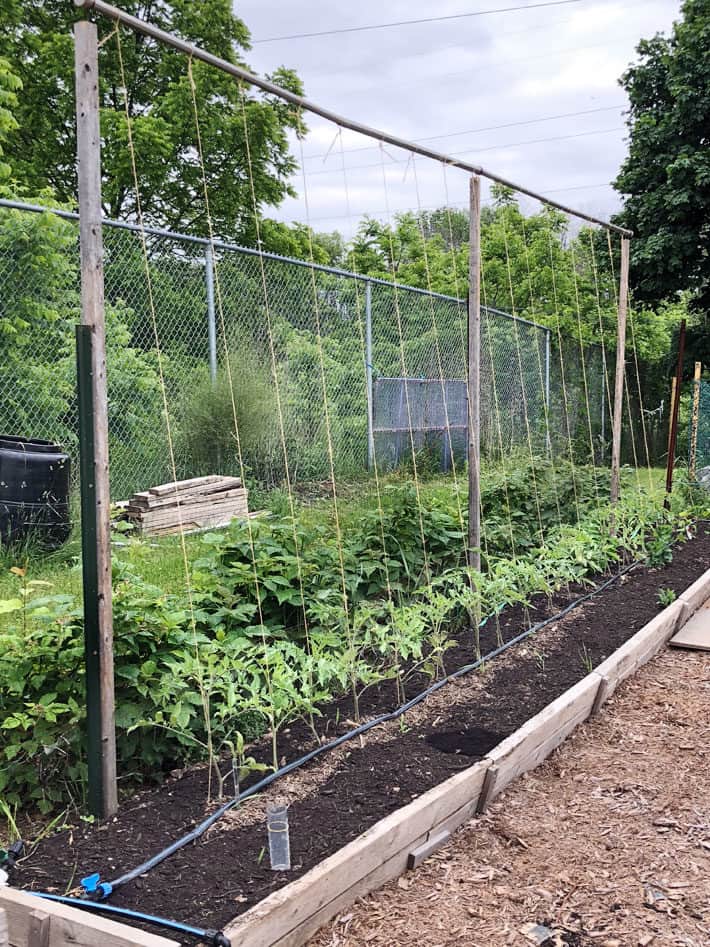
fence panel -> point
(288, 348)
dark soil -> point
(210, 882)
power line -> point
(486, 128)
(429, 19)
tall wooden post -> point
(620, 366)
(694, 421)
(474, 376)
(96, 528)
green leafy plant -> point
(665, 597)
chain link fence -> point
(326, 372)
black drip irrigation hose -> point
(99, 890)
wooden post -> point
(675, 407)
(474, 376)
(619, 376)
(694, 420)
(96, 555)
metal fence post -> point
(603, 430)
(211, 323)
(474, 377)
(548, 348)
(368, 377)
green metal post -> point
(90, 567)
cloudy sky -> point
(547, 73)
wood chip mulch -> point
(606, 844)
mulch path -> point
(336, 798)
(606, 844)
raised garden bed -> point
(460, 748)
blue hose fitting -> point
(94, 888)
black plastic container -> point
(34, 492)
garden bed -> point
(335, 800)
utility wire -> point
(428, 19)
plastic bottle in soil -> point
(279, 843)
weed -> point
(665, 597)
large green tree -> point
(36, 39)
(665, 179)
(9, 86)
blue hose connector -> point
(94, 888)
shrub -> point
(205, 414)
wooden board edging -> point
(639, 649)
(288, 915)
(68, 926)
(696, 594)
(538, 737)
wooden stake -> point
(619, 376)
(474, 377)
(694, 419)
(97, 557)
(671, 402)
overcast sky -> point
(449, 82)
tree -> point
(9, 86)
(666, 177)
(37, 40)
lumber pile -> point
(188, 505)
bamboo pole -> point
(96, 532)
(671, 402)
(474, 376)
(619, 376)
(694, 420)
(675, 407)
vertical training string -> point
(237, 437)
(328, 431)
(546, 407)
(523, 392)
(585, 386)
(565, 398)
(204, 695)
(440, 363)
(363, 348)
(403, 363)
(496, 405)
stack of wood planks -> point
(188, 505)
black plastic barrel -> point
(34, 492)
